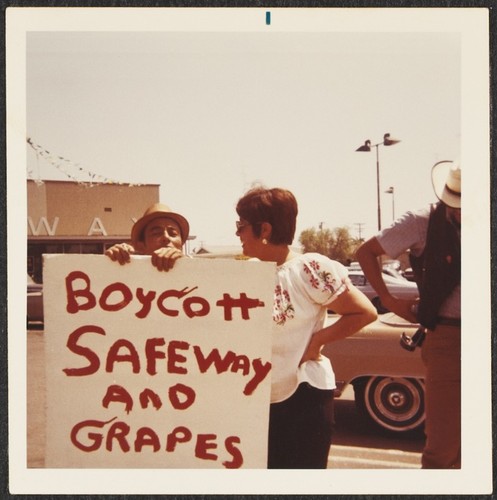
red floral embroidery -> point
(283, 308)
(320, 279)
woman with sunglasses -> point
(306, 285)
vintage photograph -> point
(247, 248)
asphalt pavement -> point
(35, 398)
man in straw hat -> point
(433, 237)
(160, 233)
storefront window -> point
(94, 248)
(72, 248)
(53, 248)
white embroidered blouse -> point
(305, 286)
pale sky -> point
(207, 114)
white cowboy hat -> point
(446, 179)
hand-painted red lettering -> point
(237, 461)
(204, 443)
(148, 395)
(187, 392)
(178, 294)
(174, 358)
(73, 306)
(213, 358)
(96, 438)
(204, 307)
(152, 354)
(145, 436)
(118, 432)
(146, 302)
(179, 434)
(91, 356)
(244, 303)
(121, 289)
(131, 356)
(118, 394)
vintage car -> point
(397, 286)
(388, 380)
(34, 301)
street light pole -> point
(391, 190)
(378, 185)
(366, 147)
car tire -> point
(395, 404)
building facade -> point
(72, 217)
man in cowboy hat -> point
(433, 238)
(160, 233)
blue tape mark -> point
(268, 17)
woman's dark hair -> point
(276, 206)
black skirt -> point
(300, 429)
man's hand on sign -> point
(164, 258)
(120, 252)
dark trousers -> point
(300, 430)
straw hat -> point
(154, 212)
(446, 179)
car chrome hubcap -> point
(395, 403)
(396, 399)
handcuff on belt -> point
(410, 343)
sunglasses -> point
(240, 225)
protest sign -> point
(150, 369)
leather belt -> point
(449, 321)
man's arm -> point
(368, 257)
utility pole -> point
(359, 228)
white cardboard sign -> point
(148, 369)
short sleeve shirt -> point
(304, 288)
(409, 232)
